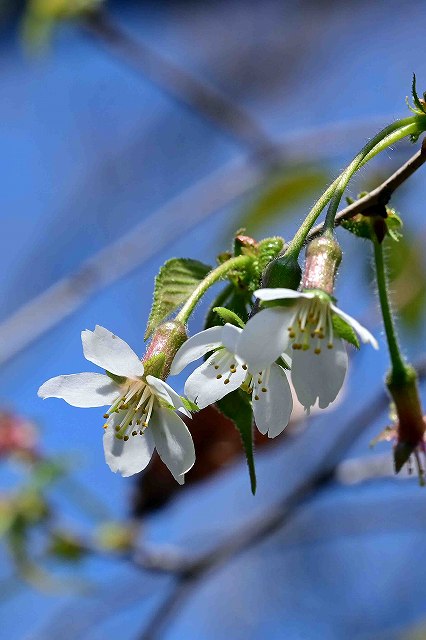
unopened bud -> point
(166, 341)
(323, 256)
(283, 271)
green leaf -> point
(175, 282)
(228, 316)
(236, 406)
(345, 331)
(234, 300)
(189, 405)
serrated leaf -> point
(175, 282)
(345, 331)
(236, 406)
(228, 316)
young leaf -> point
(228, 316)
(345, 331)
(174, 283)
(234, 300)
(236, 406)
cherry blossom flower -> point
(224, 371)
(143, 409)
(305, 331)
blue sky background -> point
(89, 149)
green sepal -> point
(345, 331)
(228, 316)
(175, 282)
(154, 366)
(394, 224)
(117, 379)
(236, 406)
(283, 363)
(189, 405)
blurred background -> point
(158, 130)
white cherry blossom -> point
(224, 371)
(142, 412)
(304, 330)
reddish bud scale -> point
(323, 256)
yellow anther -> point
(256, 397)
(245, 367)
(218, 377)
(317, 351)
(264, 389)
(226, 381)
(106, 416)
(330, 345)
(105, 426)
(125, 438)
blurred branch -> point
(157, 231)
(205, 100)
(190, 572)
(380, 196)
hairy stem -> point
(382, 140)
(217, 274)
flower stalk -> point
(401, 380)
(214, 276)
(388, 136)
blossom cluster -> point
(295, 337)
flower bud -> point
(163, 347)
(283, 271)
(323, 256)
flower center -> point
(311, 325)
(224, 361)
(134, 408)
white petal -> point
(265, 337)
(230, 337)
(196, 347)
(166, 393)
(173, 442)
(111, 353)
(273, 408)
(203, 385)
(363, 333)
(319, 376)
(281, 294)
(81, 389)
(128, 457)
